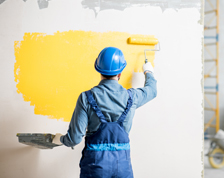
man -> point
(104, 114)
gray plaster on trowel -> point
(38, 140)
(99, 5)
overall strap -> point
(129, 104)
(94, 106)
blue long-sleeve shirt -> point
(112, 99)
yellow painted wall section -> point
(52, 70)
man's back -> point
(112, 99)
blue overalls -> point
(107, 151)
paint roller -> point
(145, 41)
(138, 78)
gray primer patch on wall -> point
(99, 5)
(1, 1)
(43, 4)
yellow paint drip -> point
(52, 70)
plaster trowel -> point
(38, 140)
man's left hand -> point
(56, 139)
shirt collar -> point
(107, 81)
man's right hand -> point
(148, 67)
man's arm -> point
(149, 91)
(78, 124)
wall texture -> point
(39, 65)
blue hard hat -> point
(110, 61)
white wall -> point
(167, 133)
